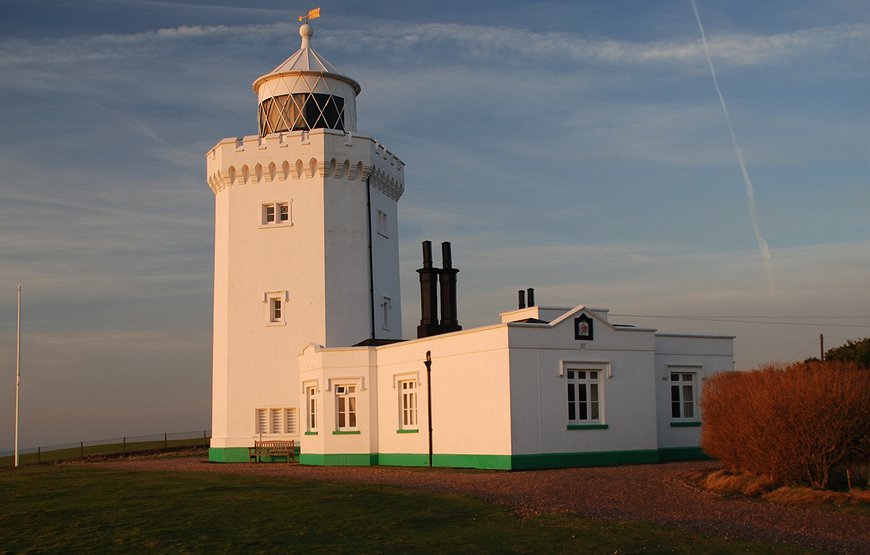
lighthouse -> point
(306, 246)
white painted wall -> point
(321, 262)
(539, 398)
(328, 368)
(470, 393)
(704, 355)
(501, 390)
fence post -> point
(124, 444)
(165, 437)
(39, 454)
(204, 439)
(82, 449)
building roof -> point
(307, 61)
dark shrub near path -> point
(803, 423)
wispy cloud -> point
(467, 41)
(103, 47)
(484, 42)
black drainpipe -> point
(428, 363)
(371, 263)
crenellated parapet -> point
(320, 153)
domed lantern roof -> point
(306, 92)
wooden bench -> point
(272, 448)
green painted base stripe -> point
(669, 454)
(587, 426)
(228, 454)
(403, 459)
(346, 433)
(568, 460)
(407, 431)
(490, 462)
(685, 424)
(339, 459)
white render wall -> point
(539, 408)
(319, 263)
(470, 393)
(324, 369)
(501, 390)
(703, 355)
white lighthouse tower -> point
(306, 246)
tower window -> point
(386, 304)
(276, 310)
(276, 305)
(275, 213)
(383, 224)
(301, 112)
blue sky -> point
(577, 147)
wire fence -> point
(112, 447)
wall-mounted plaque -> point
(583, 328)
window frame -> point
(279, 300)
(680, 403)
(275, 421)
(311, 409)
(383, 223)
(276, 213)
(347, 406)
(276, 310)
(409, 416)
(580, 403)
(387, 306)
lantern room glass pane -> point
(301, 112)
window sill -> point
(311, 433)
(275, 226)
(685, 424)
(346, 433)
(407, 431)
(587, 426)
(276, 324)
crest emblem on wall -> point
(583, 328)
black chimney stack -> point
(428, 294)
(430, 279)
(521, 299)
(531, 296)
(447, 279)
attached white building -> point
(306, 267)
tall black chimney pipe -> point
(531, 296)
(521, 299)
(447, 279)
(428, 294)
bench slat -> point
(274, 447)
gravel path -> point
(661, 493)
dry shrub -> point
(808, 496)
(802, 423)
(743, 483)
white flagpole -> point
(17, 374)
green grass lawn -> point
(66, 508)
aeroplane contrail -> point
(750, 192)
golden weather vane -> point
(313, 13)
